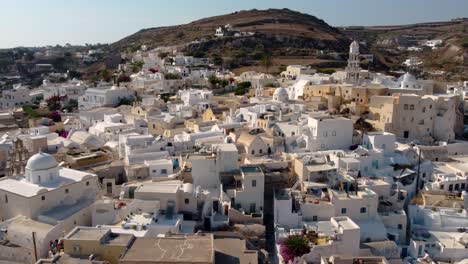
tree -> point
(294, 246)
(137, 66)
(55, 116)
(126, 101)
(198, 54)
(213, 80)
(54, 103)
(224, 83)
(242, 88)
(123, 78)
(172, 76)
(163, 55)
(38, 99)
(218, 61)
(267, 62)
(74, 74)
(71, 105)
(106, 75)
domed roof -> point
(354, 47)
(407, 77)
(280, 94)
(41, 161)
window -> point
(375, 164)
(260, 151)
(87, 183)
(411, 107)
(400, 226)
(343, 210)
(363, 210)
(6, 198)
(405, 107)
(39, 178)
(314, 218)
(67, 191)
(164, 171)
(154, 171)
(253, 152)
(42, 198)
(442, 186)
(334, 133)
(187, 201)
(254, 183)
(325, 134)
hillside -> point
(282, 24)
(383, 42)
(285, 34)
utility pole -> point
(419, 169)
(34, 245)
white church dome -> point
(407, 77)
(280, 95)
(41, 161)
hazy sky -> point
(51, 22)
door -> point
(252, 208)
(109, 188)
(406, 134)
(216, 206)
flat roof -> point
(174, 249)
(159, 187)
(158, 162)
(320, 167)
(251, 169)
(225, 147)
(233, 251)
(87, 233)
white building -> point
(294, 71)
(159, 168)
(340, 233)
(258, 80)
(206, 168)
(71, 90)
(115, 125)
(248, 194)
(50, 198)
(201, 99)
(329, 133)
(44, 187)
(16, 97)
(100, 97)
(407, 83)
